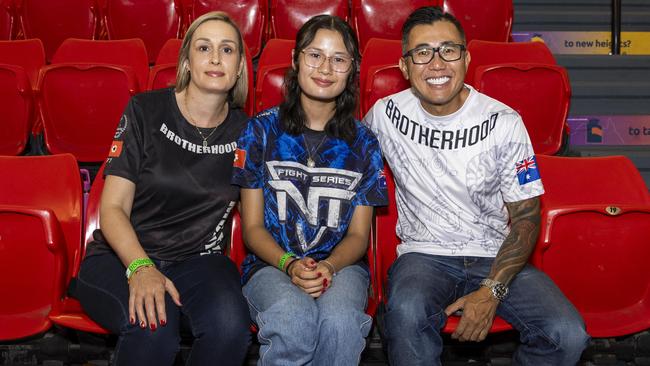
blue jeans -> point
(421, 286)
(295, 329)
(210, 291)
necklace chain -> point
(189, 114)
(310, 161)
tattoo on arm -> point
(520, 243)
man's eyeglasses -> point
(448, 52)
(315, 58)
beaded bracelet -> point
(137, 263)
(283, 260)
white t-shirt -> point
(453, 174)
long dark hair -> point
(342, 125)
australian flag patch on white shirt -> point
(527, 170)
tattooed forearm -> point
(520, 243)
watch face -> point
(500, 291)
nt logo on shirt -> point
(336, 186)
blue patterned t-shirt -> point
(307, 210)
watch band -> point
(499, 290)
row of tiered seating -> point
(78, 99)
(155, 21)
(595, 214)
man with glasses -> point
(467, 189)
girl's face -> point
(324, 66)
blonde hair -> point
(239, 92)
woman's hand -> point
(147, 288)
(305, 273)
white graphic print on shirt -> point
(453, 173)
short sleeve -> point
(125, 155)
(369, 119)
(248, 166)
(372, 190)
(519, 174)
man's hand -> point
(479, 308)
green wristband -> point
(283, 260)
(137, 263)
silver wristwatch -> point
(499, 290)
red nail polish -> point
(131, 320)
(320, 274)
(163, 322)
(153, 327)
(143, 324)
(325, 282)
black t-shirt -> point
(183, 197)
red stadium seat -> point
(169, 52)
(7, 19)
(81, 104)
(595, 220)
(17, 104)
(237, 252)
(383, 18)
(70, 314)
(162, 75)
(125, 52)
(55, 21)
(380, 74)
(250, 16)
(539, 93)
(40, 225)
(153, 21)
(490, 21)
(288, 16)
(29, 54)
(386, 243)
(488, 53)
(273, 64)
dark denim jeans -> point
(210, 291)
(421, 286)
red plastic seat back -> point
(153, 21)
(162, 76)
(539, 93)
(80, 106)
(28, 234)
(380, 73)
(577, 181)
(288, 16)
(46, 182)
(383, 18)
(6, 19)
(273, 64)
(29, 54)
(249, 15)
(54, 21)
(169, 52)
(16, 103)
(597, 210)
(489, 53)
(124, 52)
(490, 21)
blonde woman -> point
(166, 208)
